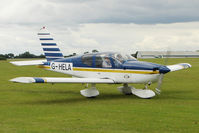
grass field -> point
(59, 108)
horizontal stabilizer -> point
(60, 80)
(178, 66)
(26, 63)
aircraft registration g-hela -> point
(98, 68)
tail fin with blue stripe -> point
(50, 48)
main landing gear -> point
(125, 89)
(90, 92)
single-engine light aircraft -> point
(98, 68)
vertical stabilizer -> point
(49, 46)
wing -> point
(25, 63)
(60, 80)
(178, 66)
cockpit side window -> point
(106, 62)
(87, 60)
(98, 61)
(102, 61)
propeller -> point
(162, 70)
(158, 89)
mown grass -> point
(39, 108)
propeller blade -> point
(160, 80)
(168, 53)
(158, 89)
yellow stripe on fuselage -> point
(43, 66)
(107, 70)
(115, 70)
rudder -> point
(49, 46)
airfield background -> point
(165, 54)
(40, 108)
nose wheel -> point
(141, 93)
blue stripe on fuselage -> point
(140, 65)
(128, 65)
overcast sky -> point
(106, 25)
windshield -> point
(123, 57)
(117, 56)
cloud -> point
(126, 38)
(62, 12)
(113, 25)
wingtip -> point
(179, 66)
(189, 65)
(23, 80)
(14, 63)
(186, 65)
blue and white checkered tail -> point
(50, 48)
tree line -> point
(23, 55)
(29, 55)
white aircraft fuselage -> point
(121, 70)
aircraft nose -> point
(164, 69)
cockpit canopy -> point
(106, 60)
(117, 56)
